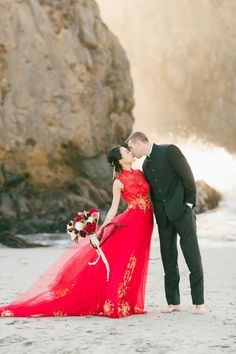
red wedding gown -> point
(71, 287)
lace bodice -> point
(136, 190)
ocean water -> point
(216, 228)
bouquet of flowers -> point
(85, 224)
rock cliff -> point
(66, 96)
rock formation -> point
(66, 96)
(207, 197)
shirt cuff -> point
(190, 205)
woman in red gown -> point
(72, 287)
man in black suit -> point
(173, 193)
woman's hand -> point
(94, 241)
(99, 234)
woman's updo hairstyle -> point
(113, 158)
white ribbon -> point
(100, 253)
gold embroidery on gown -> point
(7, 313)
(123, 286)
(59, 313)
(123, 306)
(61, 292)
(142, 202)
(138, 309)
(108, 307)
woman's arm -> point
(116, 189)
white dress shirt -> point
(150, 150)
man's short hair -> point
(137, 136)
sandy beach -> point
(214, 332)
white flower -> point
(69, 225)
(79, 225)
(90, 219)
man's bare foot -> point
(199, 310)
(171, 308)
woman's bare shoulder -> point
(117, 184)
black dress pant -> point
(185, 226)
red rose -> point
(90, 228)
(78, 218)
(92, 210)
(82, 233)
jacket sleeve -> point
(182, 168)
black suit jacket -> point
(172, 182)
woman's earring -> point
(114, 171)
